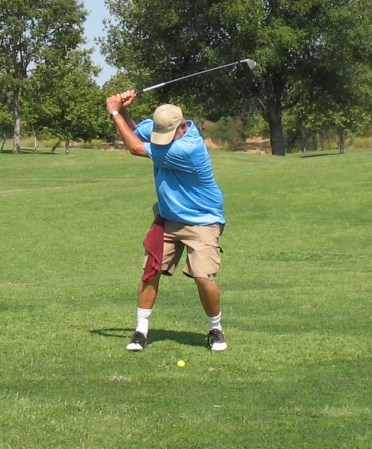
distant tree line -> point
(313, 74)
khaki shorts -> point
(202, 244)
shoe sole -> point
(134, 347)
(219, 347)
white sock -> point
(215, 322)
(143, 318)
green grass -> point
(296, 286)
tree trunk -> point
(273, 112)
(67, 146)
(35, 140)
(322, 137)
(53, 150)
(17, 123)
(342, 137)
(276, 136)
(3, 143)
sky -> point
(94, 28)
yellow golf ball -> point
(181, 364)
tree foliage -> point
(6, 119)
(65, 99)
(301, 47)
(31, 32)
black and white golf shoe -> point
(216, 340)
(137, 343)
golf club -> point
(250, 62)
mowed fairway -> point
(296, 286)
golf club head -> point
(250, 62)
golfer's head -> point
(167, 119)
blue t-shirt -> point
(185, 185)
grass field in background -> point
(296, 284)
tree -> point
(335, 91)
(30, 32)
(65, 99)
(292, 42)
(6, 120)
(341, 108)
(299, 45)
(157, 41)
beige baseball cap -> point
(167, 118)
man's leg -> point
(147, 293)
(210, 298)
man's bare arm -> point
(117, 107)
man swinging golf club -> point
(189, 213)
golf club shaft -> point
(251, 64)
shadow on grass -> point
(25, 151)
(305, 156)
(184, 338)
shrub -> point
(228, 132)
